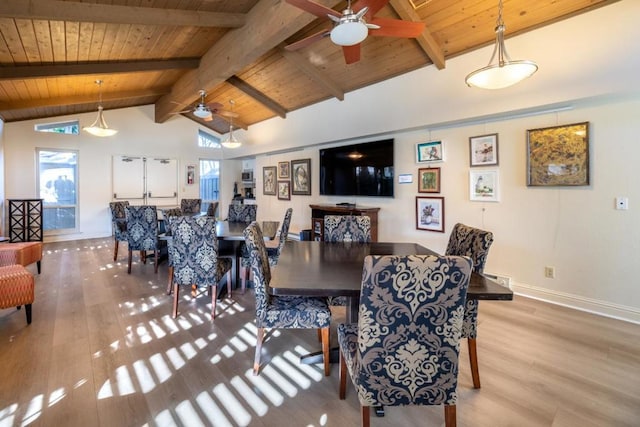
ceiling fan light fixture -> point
(349, 33)
(202, 112)
(503, 72)
(99, 126)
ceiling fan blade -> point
(307, 40)
(396, 28)
(224, 113)
(351, 53)
(373, 5)
(314, 8)
(181, 112)
(214, 105)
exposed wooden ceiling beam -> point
(80, 100)
(257, 96)
(268, 24)
(313, 73)
(425, 40)
(57, 10)
(35, 71)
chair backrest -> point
(242, 213)
(471, 242)
(259, 260)
(142, 228)
(172, 212)
(119, 219)
(212, 208)
(409, 324)
(194, 250)
(284, 230)
(190, 206)
(347, 228)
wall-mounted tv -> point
(364, 169)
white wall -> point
(138, 135)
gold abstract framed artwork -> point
(558, 155)
(429, 180)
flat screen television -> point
(364, 169)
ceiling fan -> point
(353, 25)
(206, 111)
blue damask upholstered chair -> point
(142, 233)
(118, 224)
(194, 258)
(404, 349)
(272, 251)
(282, 312)
(242, 213)
(474, 243)
(212, 209)
(347, 228)
(190, 206)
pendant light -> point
(99, 126)
(231, 141)
(504, 72)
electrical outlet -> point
(550, 272)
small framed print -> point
(284, 190)
(430, 213)
(269, 180)
(301, 177)
(427, 152)
(483, 150)
(484, 185)
(191, 174)
(429, 180)
(283, 170)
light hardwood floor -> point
(103, 351)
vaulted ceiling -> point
(163, 52)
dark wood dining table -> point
(322, 269)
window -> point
(58, 187)
(69, 128)
(209, 182)
(207, 140)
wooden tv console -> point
(319, 211)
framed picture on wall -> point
(427, 152)
(191, 174)
(269, 180)
(429, 180)
(558, 155)
(301, 177)
(483, 150)
(430, 213)
(484, 185)
(284, 190)
(283, 170)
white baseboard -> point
(602, 308)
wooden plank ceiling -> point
(163, 52)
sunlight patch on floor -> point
(252, 399)
(232, 404)
(212, 411)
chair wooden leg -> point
(473, 360)
(256, 360)
(156, 257)
(325, 351)
(176, 291)
(130, 259)
(38, 264)
(143, 256)
(319, 334)
(342, 376)
(450, 415)
(365, 411)
(170, 281)
(27, 310)
(115, 251)
(214, 297)
(229, 283)
(244, 276)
